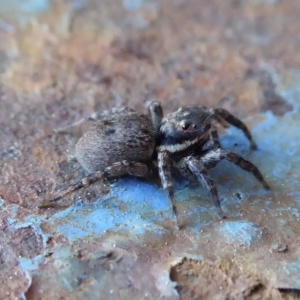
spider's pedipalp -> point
(155, 113)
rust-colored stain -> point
(209, 280)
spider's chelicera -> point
(124, 142)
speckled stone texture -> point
(61, 61)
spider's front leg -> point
(221, 114)
(194, 165)
(164, 168)
(117, 169)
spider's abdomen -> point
(123, 137)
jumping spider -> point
(126, 142)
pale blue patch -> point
(240, 232)
(12, 221)
(150, 196)
(131, 205)
(31, 221)
(28, 6)
(30, 264)
(14, 209)
(288, 89)
(132, 4)
(78, 4)
(292, 270)
(138, 4)
(136, 10)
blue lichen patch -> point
(132, 205)
(29, 6)
(292, 271)
(31, 264)
(239, 232)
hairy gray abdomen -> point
(129, 137)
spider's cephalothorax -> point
(189, 141)
(125, 142)
(181, 130)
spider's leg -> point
(198, 169)
(94, 117)
(221, 121)
(91, 117)
(212, 151)
(164, 169)
(245, 165)
(231, 119)
(117, 169)
(215, 155)
(215, 138)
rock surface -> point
(62, 60)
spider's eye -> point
(185, 126)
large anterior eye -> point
(185, 126)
